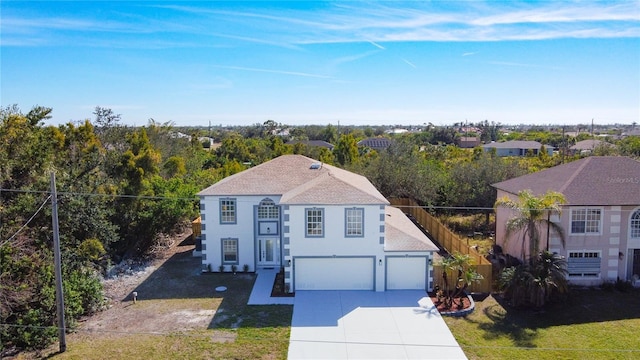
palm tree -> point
(457, 275)
(537, 283)
(532, 213)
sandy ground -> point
(159, 284)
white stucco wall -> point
(243, 230)
(334, 241)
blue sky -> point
(301, 62)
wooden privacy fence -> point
(196, 226)
(450, 241)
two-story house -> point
(328, 228)
(601, 219)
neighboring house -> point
(376, 143)
(328, 228)
(632, 132)
(517, 148)
(396, 131)
(467, 142)
(587, 146)
(601, 219)
(318, 143)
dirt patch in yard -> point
(173, 297)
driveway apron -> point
(369, 325)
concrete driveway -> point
(369, 325)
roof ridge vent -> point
(316, 166)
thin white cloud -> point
(377, 45)
(282, 72)
(469, 53)
(351, 58)
(350, 22)
(409, 63)
(514, 64)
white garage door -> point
(404, 273)
(333, 273)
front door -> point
(267, 252)
(636, 262)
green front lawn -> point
(593, 324)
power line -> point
(70, 193)
(196, 198)
(28, 221)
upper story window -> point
(586, 221)
(635, 224)
(268, 210)
(354, 222)
(315, 222)
(228, 211)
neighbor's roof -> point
(589, 144)
(514, 144)
(376, 142)
(320, 143)
(401, 234)
(595, 180)
(292, 177)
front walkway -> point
(261, 292)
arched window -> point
(634, 223)
(268, 210)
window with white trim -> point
(584, 263)
(634, 223)
(230, 251)
(315, 222)
(354, 222)
(586, 221)
(227, 211)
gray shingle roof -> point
(291, 177)
(401, 234)
(588, 144)
(515, 144)
(595, 180)
(376, 143)
(320, 143)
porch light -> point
(379, 262)
(289, 262)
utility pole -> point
(57, 264)
(564, 145)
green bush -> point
(536, 282)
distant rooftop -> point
(514, 144)
(377, 143)
(320, 143)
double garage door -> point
(357, 273)
(334, 273)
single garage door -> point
(405, 273)
(334, 273)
